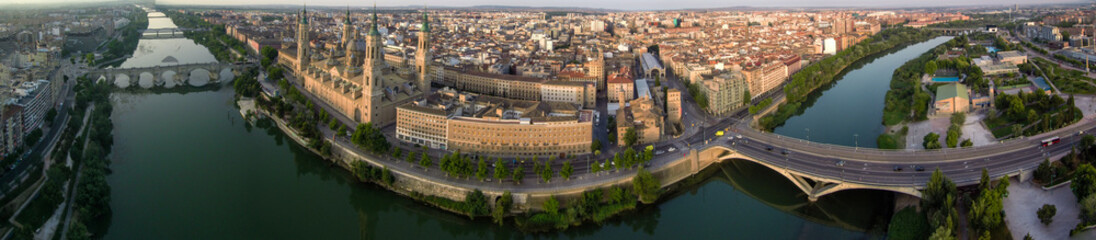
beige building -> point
(495, 126)
(581, 93)
(725, 91)
(644, 116)
(621, 86)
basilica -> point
(355, 76)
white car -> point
(672, 149)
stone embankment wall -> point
(525, 198)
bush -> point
(908, 224)
(1046, 213)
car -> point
(659, 152)
(769, 148)
(739, 136)
(840, 163)
(672, 149)
(784, 152)
(897, 168)
(919, 168)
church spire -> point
(304, 15)
(373, 30)
(347, 21)
(425, 20)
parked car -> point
(897, 168)
(919, 168)
(840, 163)
(672, 149)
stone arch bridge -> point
(197, 75)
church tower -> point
(302, 43)
(423, 55)
(372, 86)
(374, 57)
(348, 30)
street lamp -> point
(857, 141)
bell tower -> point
(302, 42)
(423, 59)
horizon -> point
(635, 5)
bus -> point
(1051, 141)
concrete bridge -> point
(819, 169)
(955, 31)
(198, 74)
(161, 33)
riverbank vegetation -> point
(823, 72)
(595, 205)
(212, 36)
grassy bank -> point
(824, 72)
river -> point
(186, 165)
(850, 111)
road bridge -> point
(819, 169)
(197, 74)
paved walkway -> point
(1025, 198)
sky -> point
(609, 4)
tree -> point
(566, 171)
(426, 162)
(386, 177)
(410, 157)
(397, 153)
(646, 186)
(1088, 210)
(630, 137)
(1045, 173)
(987, 211)
(930, 67)
(938, 200)
(519, 173)
(481, 169)
(546, 171)
(942, 233)
(931, 141)
(954, 132)
(595, 167)
(551, 206)
(476, 203)
(1046, 213)
(500, 170)
(502, 207)
(596, 145)
(966, 143)
(746, 98)
(1087, 142)
(1084, 181)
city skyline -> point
(612, 4)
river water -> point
(850, 111)
(186, 165)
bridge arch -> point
(121, 80)
(167, 78)
(814, 186)
(199, 77)
(146, 80)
